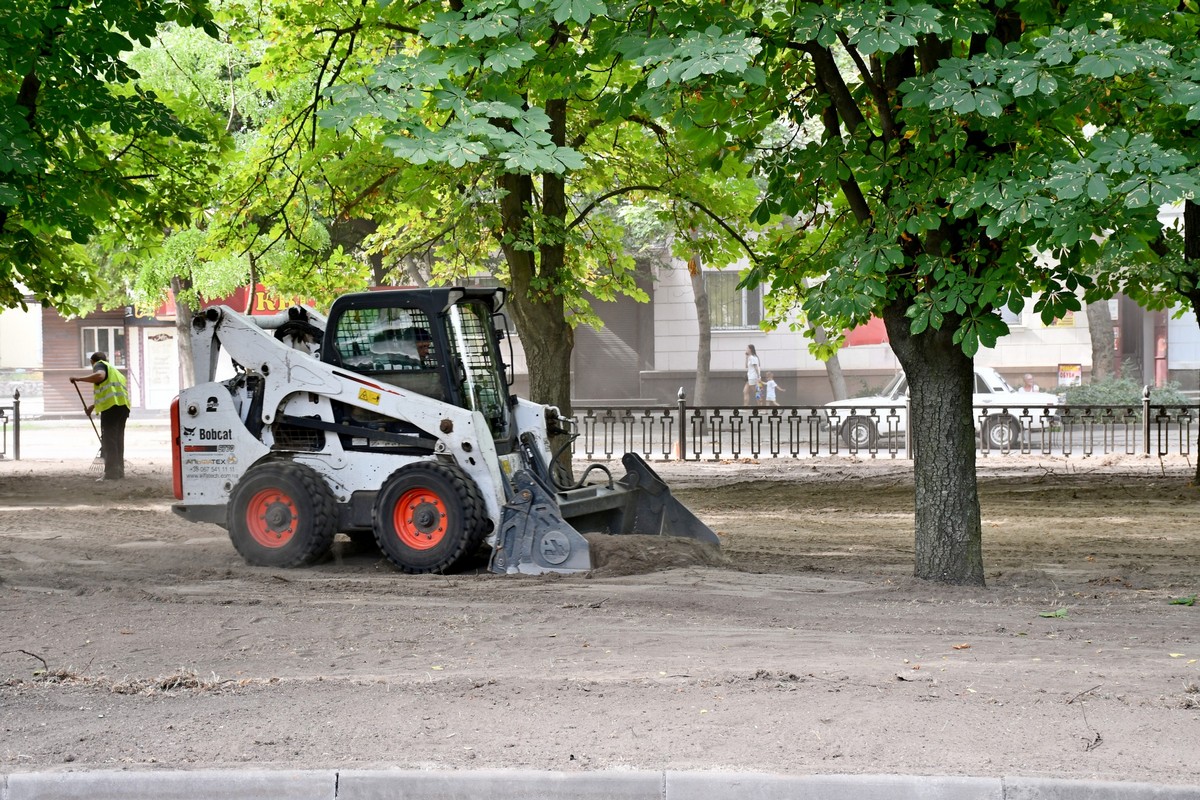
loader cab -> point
(441, 343)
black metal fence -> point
(683, 432)
(11, 412)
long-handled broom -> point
(98, 461)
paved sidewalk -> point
(146, 440)
(529, 785)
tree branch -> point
(830, 117)
(737, 237)
(396, 28)
(833, 85)
(188, 76)
(878, 92)
(607, 196)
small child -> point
(772, 388)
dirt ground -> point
(134, 639)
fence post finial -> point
(1146, 420)
(681, 448)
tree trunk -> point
(704, 324)
(350, 234)
(1100, 328)
(1191, 254)
(548, 340)
(252, 286)
(417, 269)
(833, 367)
(536, 268)
(941, 380)
(547, 351)
(540, 314)
(183, 329)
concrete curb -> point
(533, 785)
(171, 785)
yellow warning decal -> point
(367, 396)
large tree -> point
(972, 155)
(511, 125)
(82, 145)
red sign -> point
(262, 302)
(874, 332)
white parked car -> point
(862, 421)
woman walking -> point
(753, 376)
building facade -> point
(644, 352)
(1155, 347)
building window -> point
(1015, 319)
(729, 307)
(108, 340)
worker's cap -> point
(99, 355)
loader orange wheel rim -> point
(272, 518)
(420, 519)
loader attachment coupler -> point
(540, 532)
(534, 538)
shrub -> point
(1123, 390)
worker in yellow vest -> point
(111, 399)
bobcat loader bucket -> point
(540, 531)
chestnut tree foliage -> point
(84, 148)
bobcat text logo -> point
(215, 434)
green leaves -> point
(925, 315)
(510, 56)
(1134, 167)
(580, 11)
(872, 27)
(81, 147)
(877, 257)
(443, 30)
(980, 330)
(695, 54)
(1055, 303)
(516, 138)
(1028, 79)
(887, 28)
(1017, 136)
(964, 98)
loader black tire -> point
(282, 514)
(429, 517)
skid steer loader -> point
(391, 419)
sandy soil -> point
(133, 639)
